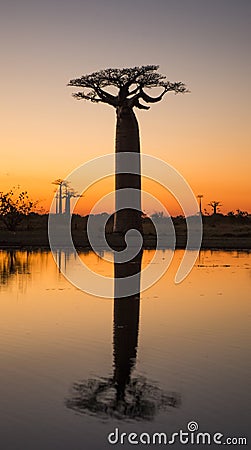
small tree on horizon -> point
(215, 205)
(241, 214)
(13, 208)
(131, 85)
(200, 197)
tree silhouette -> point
(59, 205)
(68, 195)
(200, 197)
(131, 85)
(14, 207)
(240, 213)
(214, 205)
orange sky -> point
(205, 135)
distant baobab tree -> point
(69, 193)
(214, 205)
(131, 84)
(200, 197)
(64, 192)
(59, 205)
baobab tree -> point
(59, 182)
(68, 195)
(131, 85)
(200, 197)
(214, 205)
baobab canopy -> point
(130, 82)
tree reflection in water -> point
(13, 262)
(123, 396)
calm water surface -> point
(74, 367)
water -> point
(74, 367)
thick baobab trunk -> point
(127, 140)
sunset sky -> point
(205, 135)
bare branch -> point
(140, 106)
(177, 87)
(149, 99)
(106, 97)
(134, 91)
(89, 96)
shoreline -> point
(219, 233)
(207, 244)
